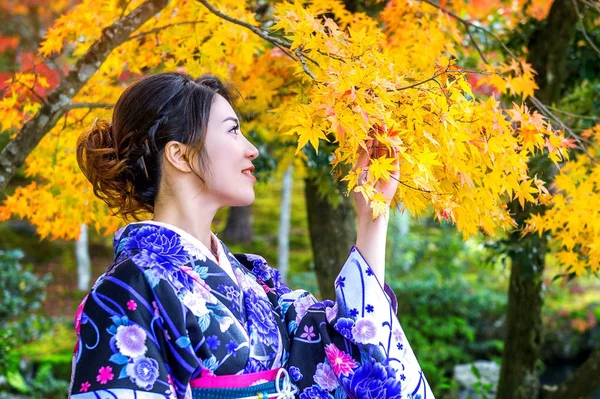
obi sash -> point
(274, 383)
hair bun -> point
(99, 161)
(102, 128)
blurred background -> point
(453, 294)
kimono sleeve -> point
(133, 339)
(353, 347)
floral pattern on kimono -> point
(167, 312)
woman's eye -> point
(235, 129)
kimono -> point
(168, 318)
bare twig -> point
(125, 9)
(560, 111)
(310, 59)
(583, 30)
(31, 89)
(255, 29)
(476, 44)
(546, 112)
(595, 6)
(414, 188)
(306, 70)
(332, 56)
(78, 122)
(423, 81)
(65, 120)
(469, 23)
(447, 70)
(281, 43)
(89, 105)
(285, 51)
(159, 28)
(411, 187)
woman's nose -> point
(252, 151)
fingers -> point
(370, 149)
(363, 177)
(364, 155)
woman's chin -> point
(244, 201)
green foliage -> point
(449, 306)
(424, 246)
(583, 105)
(450, 322)
(21, 294)
(21, 235)
(46, 386)
(54, 348)
(481, 388)
(16, 381)
(43, 367)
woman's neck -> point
(190, 216)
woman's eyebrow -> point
(231, 118)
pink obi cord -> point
(234, 381)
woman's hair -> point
(122, 158)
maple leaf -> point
(380, 168)
(312, 136)
(524, 191)
(522, 85)
(571, 260)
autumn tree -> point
(554, 32)
(323, 76)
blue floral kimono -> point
(168, 313)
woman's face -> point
(229, 179)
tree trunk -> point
(581, 385)
(519, 375)
(283, 234)
(239, 225)
(332, 233)
(548, 50)
(84, 264)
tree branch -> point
(595, 6)
(304, 66)
(583, 30)
(423, 81)
(255, 29)
(582, 384)
(542, 108)
(159, 28)
(32, 89)
(13, 155)
(88, 105)
(468, 23)
(560, 111)
(281, 43)
(546, 112)
(476, 45)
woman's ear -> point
(176, 155)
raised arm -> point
(371, 234)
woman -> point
(177, 315)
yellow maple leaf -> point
(524, 191)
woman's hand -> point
(387, 189)
(371, 234)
